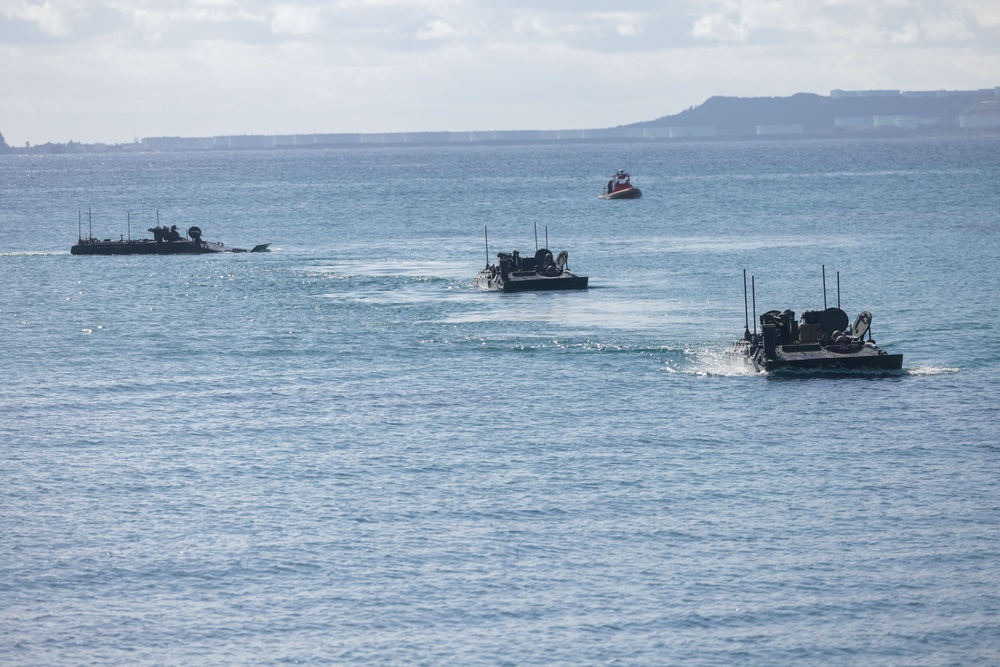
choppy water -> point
(341, 452)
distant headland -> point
(842, 113)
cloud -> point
(293, 20)
(436, 29)
(46, 16)
(84, 69)
(625, 24)
(847, 21)
(720, 28)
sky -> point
(113, 71)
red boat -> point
(620, 187)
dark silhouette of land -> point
(933, 111)
(867, 113)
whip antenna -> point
(746, 309)
(824, 287)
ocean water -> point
(342, 452)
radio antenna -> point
(753, 294)
(486, 232)
(824, 287)
(746, 308)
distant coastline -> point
(842, 114)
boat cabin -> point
(513, 264)
(830, 328)
(620, 181)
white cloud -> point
(436, 29)
(293, 20)
(720, 27)
(848, 21)
(627, 28)
(533, 25)
(46, 16)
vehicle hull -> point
(147, 247)
(628, 193)
(492, 282)
(868, 357)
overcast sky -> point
(113, 70)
